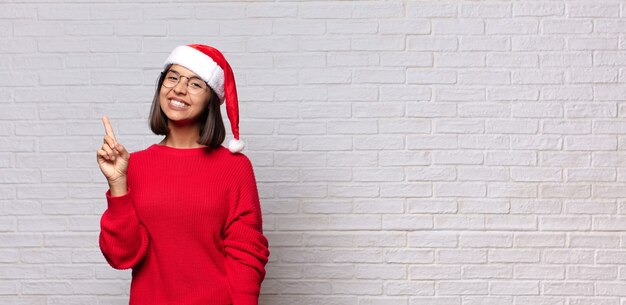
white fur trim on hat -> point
(201, 64)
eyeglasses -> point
(194, 84)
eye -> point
(196, 84)
(171, 75)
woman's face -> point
(179, 105)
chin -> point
(180, 120)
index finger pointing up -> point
(108, 128)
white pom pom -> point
(235, 145)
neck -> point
(182, 136)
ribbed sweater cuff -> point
(244, 299)
(118, 204)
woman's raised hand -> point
(113, 157)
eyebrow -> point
(179, 74)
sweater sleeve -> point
(123, 239)
(245, 246)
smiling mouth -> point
(178, 104)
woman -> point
(184, 214)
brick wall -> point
(407, 152)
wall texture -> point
(407, 152)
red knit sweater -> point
(189, 227)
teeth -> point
(178, 104)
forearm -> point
(123, 239)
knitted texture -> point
(190, 228)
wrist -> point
(118, 187)
(121, 181)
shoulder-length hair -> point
(212, 130)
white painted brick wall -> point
(407, 152)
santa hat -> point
(210, 65)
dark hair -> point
(212, 130)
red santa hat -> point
(210, 65)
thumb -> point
(122, 150)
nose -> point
(181, 87)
